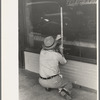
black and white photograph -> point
(57, 50)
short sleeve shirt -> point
(49, 63)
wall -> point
(80, 73)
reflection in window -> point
(43, 19)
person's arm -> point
(61, 50)
(61, 59)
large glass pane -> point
(79, 28)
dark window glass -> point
(79, 28)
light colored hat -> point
(49, 43)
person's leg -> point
(63, 85)
(66, 85)
(56, 82)
(65, 88)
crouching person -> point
(49, 71)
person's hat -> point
(49, 43)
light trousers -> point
(56, 82)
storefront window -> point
(79, 28)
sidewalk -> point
(29, 89)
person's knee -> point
(69, 86)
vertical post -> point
(22, 32)
(61, 14)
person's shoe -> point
(63, 92)
(48, 89)
(67, 97)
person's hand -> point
(58, 37)
(61, 49)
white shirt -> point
(49, 63)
